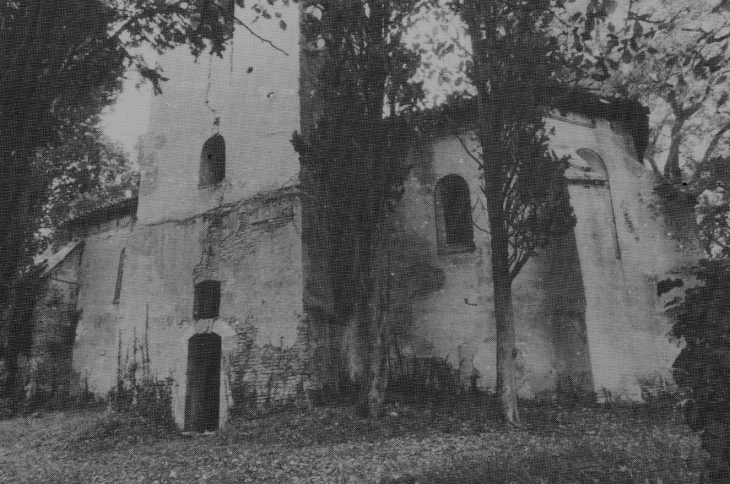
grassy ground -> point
(332, 445)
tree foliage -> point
(674, 56)
(352, 158)
(515, 63)
(702, 322)
(87, 171)
(61, 63)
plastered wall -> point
(250, 96)
(94, 350)
(254, 250)
(243, 231)
(625, 245)
(456, 321)
(587, 314)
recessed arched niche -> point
(212, 161)
(595, 162)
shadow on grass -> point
(583, 463)
(618, 443)
(558, 443)
(112, 430)
(342, 424)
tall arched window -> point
(213, 161)
(455, 231)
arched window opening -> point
(598, 167)
(207, 300)
(213, 161)
(453, 215)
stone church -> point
(211, 273)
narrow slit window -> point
(206, 304)
(213, 161)
(120, 276)
(453, 215)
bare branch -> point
(266, 41)
(520, 263)
(468, 151)
(714, 142)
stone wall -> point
(250, 96)
(94, 351)
(625, 245)
(243, 231)
(586, 309)
(587, 314)
(454, 320)
(254, 249)
(54, 328)
(76, 316)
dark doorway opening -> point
(204, 379)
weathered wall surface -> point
(625, 246)
(454, 320)
(76, 318)
(54, 326)
(250, 96)
(586, 309)
(94, 351)
(254, 249)
(243, 231)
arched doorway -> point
(202, 399)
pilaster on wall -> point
(624, 247)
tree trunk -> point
(16, 218)
(506, 351)
(362, 318)
(478, 15)
(379, 312)
(503, 310)
(376, 378)
(672, 171)
(371, 316)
